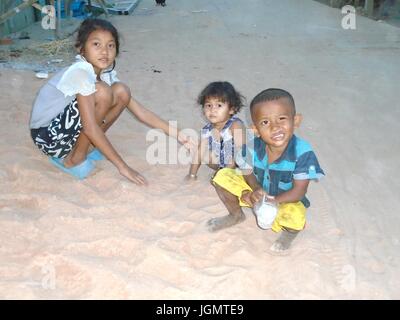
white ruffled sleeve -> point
(109, 77)
(80, 78)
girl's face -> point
(217, 112)
(100, 50)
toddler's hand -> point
(133, 176)
(187, 141)
(190, 178)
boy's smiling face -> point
(275, 122)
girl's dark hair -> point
(225, 92)
(93, 24)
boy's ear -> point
(298, 118)
(255, 130)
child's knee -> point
(122, 93)
(104, 94)
(222, 191)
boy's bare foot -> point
(216, 224)
(282, 244)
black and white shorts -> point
(60, 136)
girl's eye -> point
(219, 105)
(111, 45)
(207, 106)
(96, 44)
(264, 122)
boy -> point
(282, 167)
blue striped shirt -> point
(297, 162)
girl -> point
(78, 105)
(224, 133)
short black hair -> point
(222, 90)
(92, 24)
(272, 94)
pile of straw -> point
(54, 47)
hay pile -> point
(53, 48)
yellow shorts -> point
(290, 215)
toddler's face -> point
(100, 50)
(216, 111)
(275, 122)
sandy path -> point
(106, 238)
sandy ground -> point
(106, 238)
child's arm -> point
(97, 137)
(152, 120)
(295, 194)
(238, 132)
(251, 197)
(196, 161)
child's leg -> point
(121, 98)
(235, 215)
(213, 166)
(290, 220)
(109, 104)
(285, 240)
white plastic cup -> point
(42, 75)
(265, 212)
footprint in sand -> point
(183, 228)
(204, 204)
(218, 271)
(20, 207)
(12, 173)
(333, 249)
(161, 208)
(115, 248)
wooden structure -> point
(13, 10)
(10, 21)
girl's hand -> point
(133, 176)
(187, 141)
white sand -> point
(107, 238)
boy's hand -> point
(133, 176)
(246, 197)
(257, 195)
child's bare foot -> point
(282, 244)
(216, 224)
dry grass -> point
(55, 47)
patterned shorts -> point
(60, 136)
